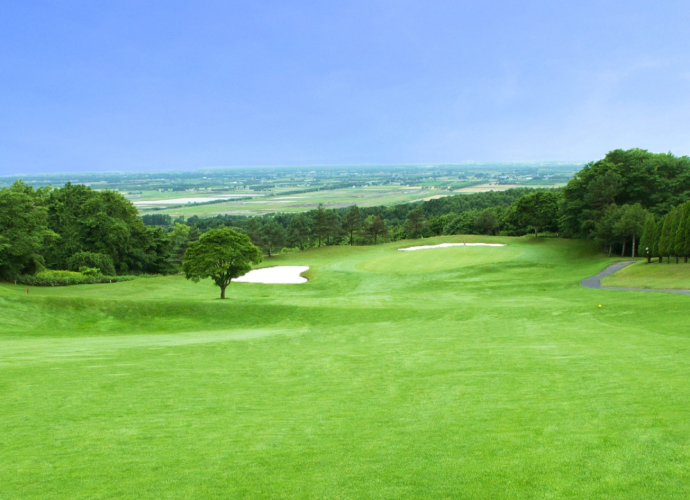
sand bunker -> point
(444, 245)
(275, 275)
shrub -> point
(90, 271)
(67, 278)
(58, 274)
(92, 260)
(285, 250)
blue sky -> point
(143, 85)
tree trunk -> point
(623, 251)
(676, 259)
(633, 247)
(269, 252)
(608, 254)
(536, 233)
(222, 292)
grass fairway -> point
(493, 374)
(654, 275)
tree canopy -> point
(222, 255)
(538, 211)
(658, 182)
(23, 230)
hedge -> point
(75, 279)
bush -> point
(58, 274)
(92, 260)
(285, 250)
(67, 278)
(90, 271)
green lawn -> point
(493, 374)
(654, 275)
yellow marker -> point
(599, 305)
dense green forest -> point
(627, 200)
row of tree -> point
(669, 236)
(516, 213)
(316, 228)
(533, 212)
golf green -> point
(487, 372)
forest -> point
(633, 202)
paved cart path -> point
(595, 281)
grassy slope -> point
(485, 379)
(655, 275)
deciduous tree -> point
(222, 255)
(538, 211)
(605, 228)
(23, 230)
(631, 224)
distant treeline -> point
(616, 201)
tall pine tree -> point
(679, 236)
(667, 237)
(648, 240)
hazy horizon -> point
(469, 165)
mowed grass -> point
(436, 259)
(654, 275)
(489, 379)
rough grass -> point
(654, 275)
(493, 379)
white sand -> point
(275, 275)
(444, 245)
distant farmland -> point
(259, 203)
(263, 203)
